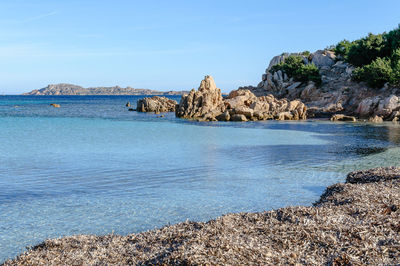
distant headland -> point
(71, 89)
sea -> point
(94, 167)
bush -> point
(290, 66)
(392, 39)
(395, 57)
(375, 74)
(376, 56)
(295, 68)
(395, 79)
(342, 48)
(366, 50)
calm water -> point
(92, 167)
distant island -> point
(70, 89)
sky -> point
(169, 45)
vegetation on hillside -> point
(377, 58)
(295, 68)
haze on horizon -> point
(169, 45)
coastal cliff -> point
(359, 78)
(70, 89)
(324, 234)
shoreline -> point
(353, 222)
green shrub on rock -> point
(342, 48)
(295, 68)
(376, 56)
(375, 74)
(367, 49)
(392, 39)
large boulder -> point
(323, 58)
(156, 104)
(385, 107)
(204, 104)
(367, 106)
(388, 105)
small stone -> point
(340, 117)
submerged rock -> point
(156, 104)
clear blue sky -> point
(169, 45)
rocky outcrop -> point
(204, 104)
(387, 107)
(70, 89)
(207, 104)
(337, 93)
(156, 104)
(244, 102)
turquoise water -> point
(92, 167)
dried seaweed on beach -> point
(353, 223)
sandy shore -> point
(353, 223)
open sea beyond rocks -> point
(93, 167)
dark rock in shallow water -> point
(156, 104)
(239, 118)
(340, 117)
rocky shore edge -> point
(357, 222)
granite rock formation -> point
(337, 92)
(156, 104)
(207, 104)
(204, 104)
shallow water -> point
(92, 167)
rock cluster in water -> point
(156, 104)
(356, 223)
(207, 104)
(337, 92)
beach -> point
(352, 223)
